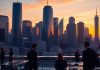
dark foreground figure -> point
(77, 56)
(60, 63)
(32, 59)
(10, 54)
(2, 55)
(89, 58)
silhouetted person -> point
(89, 58)
(97, 60)
(10, 54)
(32, 58)
(77, 56)
(60, 63)
(2, 55)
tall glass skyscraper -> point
(47, 22)
(27, 30)
(61, 27)
(16, 24)
(4, 27)
(71, 32)
(55, 20)
(80, 32)
(96, 20)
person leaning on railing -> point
(10, 54)
(2, 55)
(60, 63)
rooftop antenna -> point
(47, 2)
(96, 11)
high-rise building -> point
(55, 20)
(40, 28)
(16, 24)
(27, 30)
(96, 20)
(71, 32)
(80, 32)
(47, 22)
(4, 27)
(2, 35)
(61, 27)
(86, 31)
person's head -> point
(86, 44)
(34, 46)
(10, 49)
(77, 50)
(60, 56)
(1, 49)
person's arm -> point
(65, 64)
(27, 56)
(55, 64)
(83, 56)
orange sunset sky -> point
(82, 10)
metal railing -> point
(44, 63)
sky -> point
(82, 10)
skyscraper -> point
(16, 24)
(55, 40)
(71, 32)
(61, 27)
(27, 30)
(55, 20)
(86, 31)
(80, 32)
(40, 29)
(96, 20)
(47, 22)
(4, 27)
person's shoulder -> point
(64, 60)
(29, 51)
(91, 50)
(84, 51)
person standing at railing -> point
(89, 58)
(32, 58)
(77, 56)
(10, 55)
(2, 55)
(60, 63)
(97, 60)
(10, 66)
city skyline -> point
(85, 11)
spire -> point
(47, 2)
(96, 11)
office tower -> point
(27, 30)
(87, 36)
(16, 24)
(80, 32)
(96, 20)
(86, 31)
(40, 29)
(37, 32)
(47, 22)
(4, 28)
(61, 27)
(55, 20)
(2, 35)
(71, 32)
